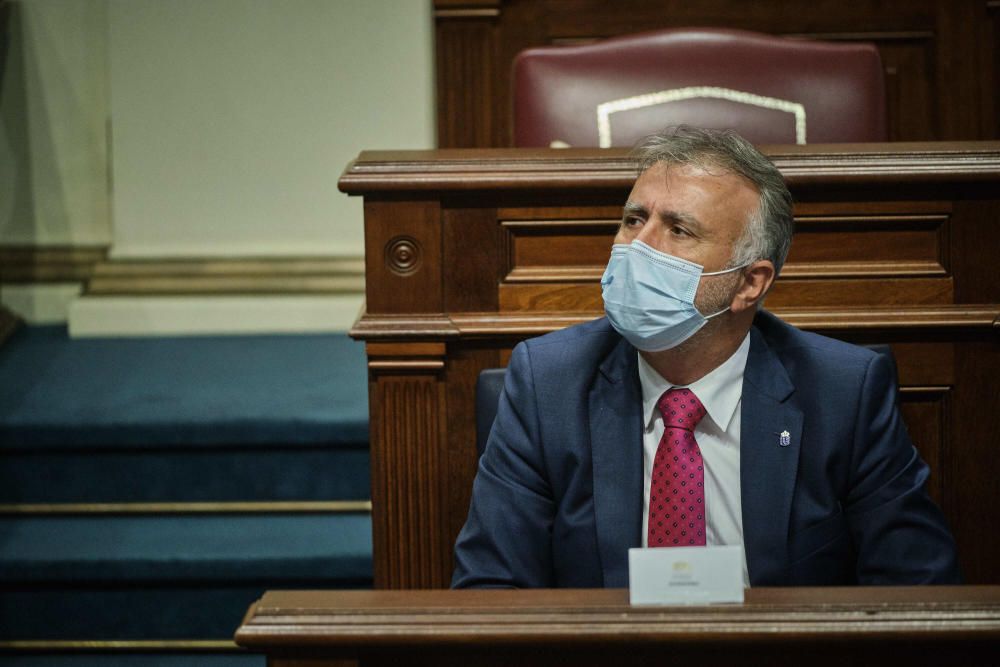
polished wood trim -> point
(909, 162)
(810, 270)
(888, 269)
(407, 365)
(403, 327)
(587, 168)
(602, 616)
(866, 36)
(554, 274)
(467, 4)
(194, 276)
(547, 224)
(950, 317)
(944, 317)
(470, 13)
(852, 36)
(405, 357)
(932, 390)
(405, 349)
(238, 507)
(49, 264)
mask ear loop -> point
(718, 273)
(735, 268)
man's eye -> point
(632, 221)
(679, 231)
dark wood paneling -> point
(807, 293)
(472, 258)
(466, 53)
(403, 256)
(990, 59)
(911, 102)
(555, 244)
(975, 251)
(465, 361)
(924, 411)
(940, 56)
(962, 84)
(408, 478)
(971, 475)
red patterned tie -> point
(677, 490)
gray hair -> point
(768, 232)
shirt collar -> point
(719, 390)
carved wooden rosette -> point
(470, 251)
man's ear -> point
(757, 279)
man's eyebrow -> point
(638, 210)
(632, 208)
(685, 219)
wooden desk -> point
(836, 627)
(470, 251)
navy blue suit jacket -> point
(557, 500)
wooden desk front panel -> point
(874, 253)
(487, 261)
(927, 626)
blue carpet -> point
(194, 612)
(123, 659)
(209, 419)
(227, 548)
(294, 389)
(186, 474)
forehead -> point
(712, 195)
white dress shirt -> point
(718, 437)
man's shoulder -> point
(576, 347)
(791, 343)
(593, 331)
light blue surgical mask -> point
(649, 296)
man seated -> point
(689, 416)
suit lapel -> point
(615, 404)
(769, 418)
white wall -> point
(53, 116)
(228, 121)
(232, 119)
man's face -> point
(694, 214)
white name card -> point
(685, 575)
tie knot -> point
(680, 409)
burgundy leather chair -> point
(769, 89)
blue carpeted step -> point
(167, 577)
(204, 474)
(146, 392)
(134, 659)
(202, 612)
(231, 548)
(182, 419)
(210, 419)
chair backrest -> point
(769, 89)
(490, 384)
